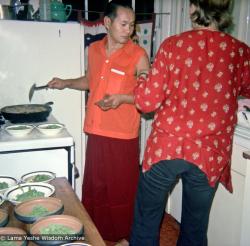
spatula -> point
(34, 88)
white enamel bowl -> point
(6, 182)
(40, 190)
(50, 129)
(38, 176)
(19, 130)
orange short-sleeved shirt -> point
(112, 75)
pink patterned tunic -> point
(193, 88)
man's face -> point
(121, 28)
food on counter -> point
(38, 211)
(25, 109)
(31, 193)
(3, 185)
(51, 126)
(39, 178)
(19, 127)
(57, 229)
(50, 129)
(7, 243)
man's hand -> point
(57, 83)
(110, 102)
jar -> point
(45, 10)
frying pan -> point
(27, 112)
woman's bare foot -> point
(122, 242)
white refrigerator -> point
(34, 52)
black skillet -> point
(30, 112)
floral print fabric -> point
(193, 88)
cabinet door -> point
(226, 214)
(225, 223)
(17, 164)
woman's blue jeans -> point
(154, 187)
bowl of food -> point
(38, 176)
(75, 244)
(7, 233)
(27, 191)
(4, 218)
(65, 228)
(30, 211)
(19, 130)
(6, 182)
(50, 129)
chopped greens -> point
(51, 127)
(38, 211)
(19, 128)
(31, 193)
(3, 185)
(7, 243)
(57, 229)
(40, 178)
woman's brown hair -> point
(215, 12)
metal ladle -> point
(34, 88)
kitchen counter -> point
(72, 206)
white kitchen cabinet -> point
(229, 222)
(226, 215)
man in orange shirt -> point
(111, 122)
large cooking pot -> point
(27, 112)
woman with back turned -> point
(193, 88)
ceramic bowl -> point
(10, 231)
(38, 176)
(63, 228)
(4, 218)
(29, 211)
(38, 190)
(50, 129)
(19, 130)
(6, 182)
(75, 244)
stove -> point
(37, 152)
(35, 139)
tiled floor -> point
(169, 232)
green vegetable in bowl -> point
(51, 127)
(19, 128)
(38, 211)
(57, 229)
(41, 178)
(31, 193)
(7, 243)
(3, 185)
